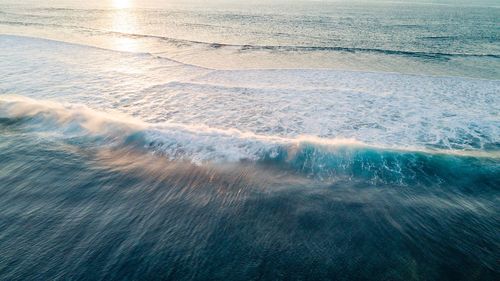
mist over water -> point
(295, 140)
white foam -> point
(379, 109)
(195, 143)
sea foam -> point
(269, 105)
(321, 158)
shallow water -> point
(422, 37)
(142, 157)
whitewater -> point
(137, 155)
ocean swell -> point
(318, 158)
(179, 42)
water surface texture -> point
(233, 141)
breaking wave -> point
(323, 159)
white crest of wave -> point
(195, 143)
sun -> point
(121, 4)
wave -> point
(254, 47)
(148, 54)
(320, 158)
(26, 23)
(298, 48)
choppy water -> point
(192, 143)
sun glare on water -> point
(123, 21)
(121, 4)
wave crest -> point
(309, 155)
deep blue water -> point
(74, 210)
(291, 140)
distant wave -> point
(308, 155)
(25, 23)
(291, 48)
(106, 49)
(248, 47)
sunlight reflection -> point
(121, 4)
(124, 22)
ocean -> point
(225, 140)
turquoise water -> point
(266, 141)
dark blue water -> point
(290, 140)
(73, 210)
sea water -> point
(292, 140)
